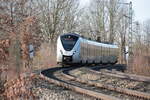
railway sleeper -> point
(118, 89)
(80, 90)
(123, 75)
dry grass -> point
(45, 57)
(141, 65)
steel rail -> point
(123, 75)
(76, 88)
(131, 76)
(110, 87)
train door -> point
(87, 55)
(84, 51)
(81, 50)
(100, 54)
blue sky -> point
(141, 9)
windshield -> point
(68, 41)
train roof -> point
(74, 34)
(100, 44)
(104, 44)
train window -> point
(103, 51)
(100, 51)
(81, 50)
(108, 51)
(68, 41)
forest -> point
(40, 22)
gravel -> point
(109, 80)
(47, 91)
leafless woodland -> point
(39, 22)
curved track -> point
(118, 74)
(61, 77)
(114, 87)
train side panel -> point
(87, 51)
(93, 52)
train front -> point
(68, 48)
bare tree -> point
(138, 35)
(57, 17)
(13, 14)
(97, 19)
(103, 19)
(114, 8)
(141, 60)
(122, 30)
(147, 34)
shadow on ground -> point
(118, 67)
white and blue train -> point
(72, 48)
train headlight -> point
(74, 52)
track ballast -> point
(61, 77)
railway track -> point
(116, 80)
(61, 77)
(49, 76)
(119, 74)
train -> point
(73, 48)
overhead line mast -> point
(130, 40)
